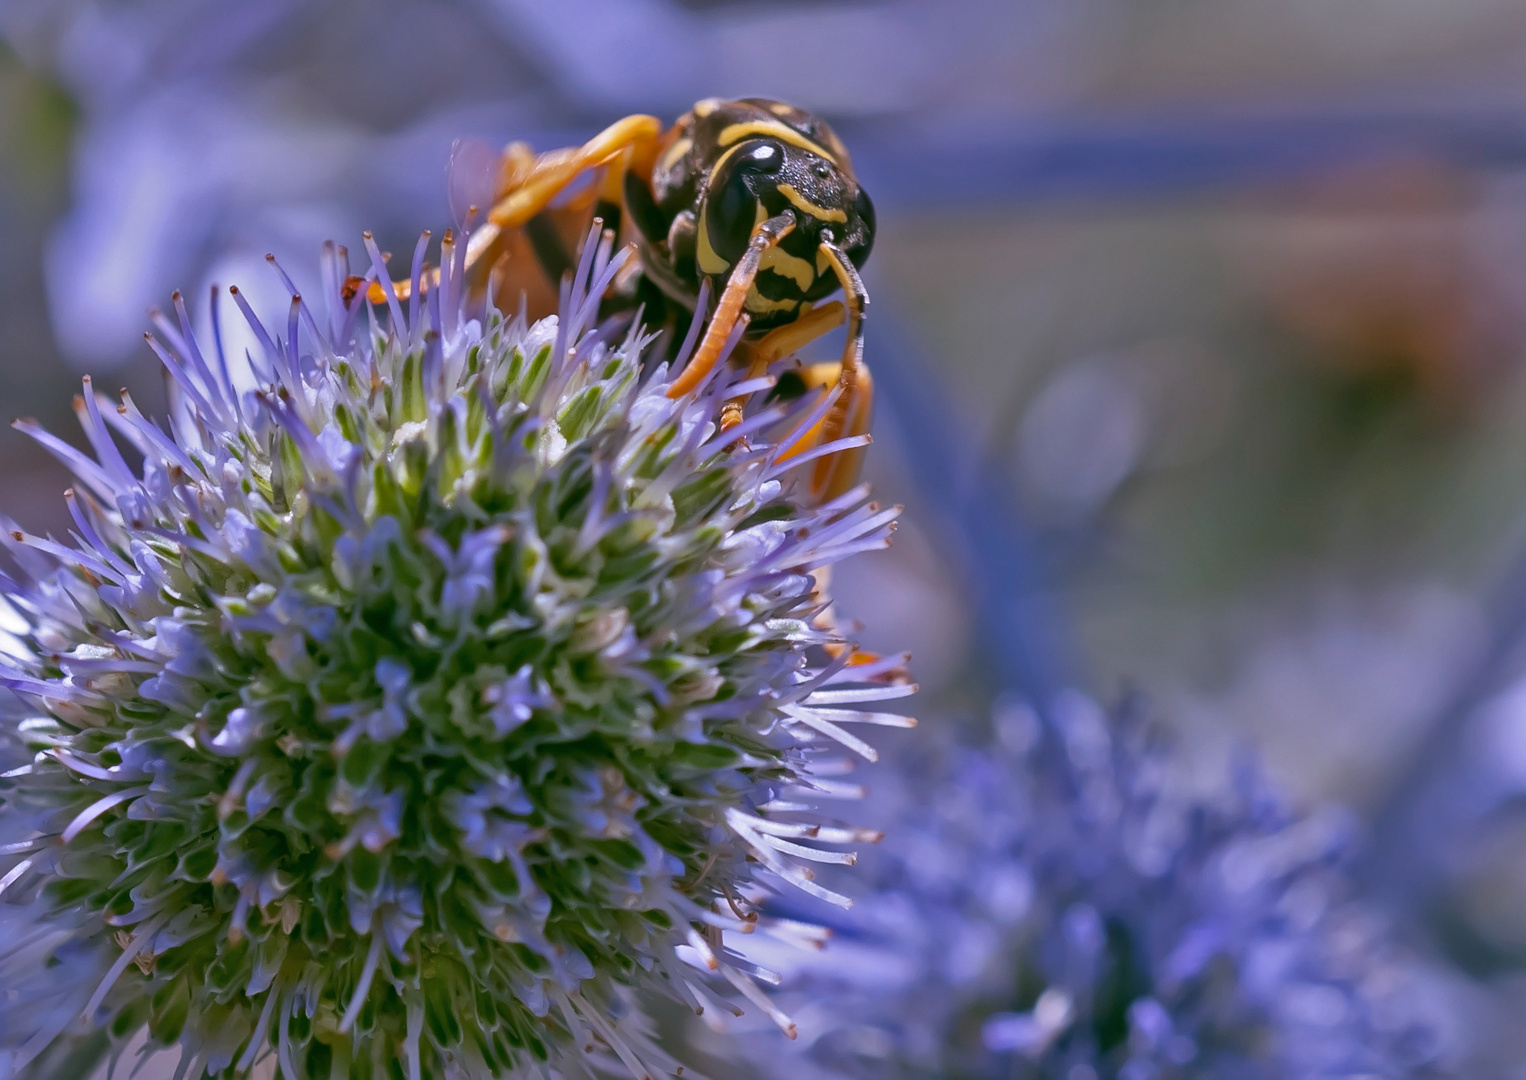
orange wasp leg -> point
(835, 474)
(851, 412)
(530, 192)
(531, 181)
(779, 343)
(733, 297)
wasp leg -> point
(779, 343)
(530, 192)
(850, 414)
(836, 473)
(530, 181)
(733, 297)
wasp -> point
(742, 212)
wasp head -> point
(762, 177)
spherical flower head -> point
(1061, 903)
(413, 711)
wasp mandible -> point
(751, 205)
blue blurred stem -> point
(1022, 633)
(1433, 801)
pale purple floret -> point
(486, 818)
(469, 575)
(514, 700)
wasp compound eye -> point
(863, 209)
(736, 193)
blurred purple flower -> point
(1060, 905)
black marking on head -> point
(863, 210)
(736, 190)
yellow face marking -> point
(784, 264)
(720, 163)
(759, 304)
(704, 255)
(778, 108)
(805, 206)
(674, 153)
(734, 133)
(705, 106)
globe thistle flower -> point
(1058, 904)
(412, 711)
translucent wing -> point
(473, 177)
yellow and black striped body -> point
(724, 168)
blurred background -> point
(1199, 328)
